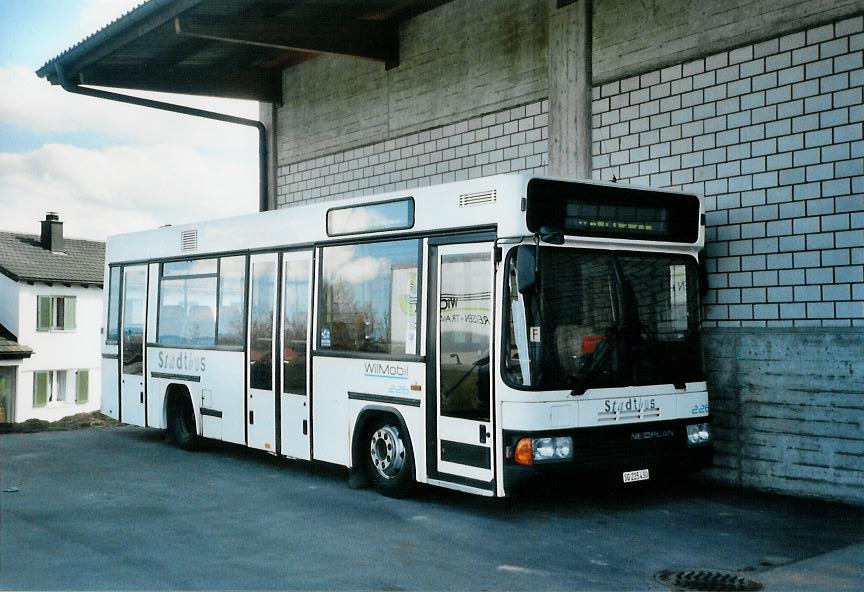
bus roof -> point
(487, 202)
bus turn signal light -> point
(524, 454)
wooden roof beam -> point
(372, 40)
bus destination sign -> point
(593, 210)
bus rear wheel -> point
(181, 424)
(388, 459)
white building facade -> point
(51, 303)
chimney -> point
(52, 232)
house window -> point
(55, 313)
(60, 387)
(82, 386)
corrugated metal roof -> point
(22, 258)
(118, 25)
(230, 48)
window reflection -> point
(134, 286)
(261, 326)
(369, 297)
(296, 311)
(232, 289)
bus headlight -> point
(698, 434)
(531, 450)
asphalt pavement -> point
(119, 509)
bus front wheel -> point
(388, 459)
(181, 424)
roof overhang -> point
(231, 48)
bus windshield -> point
(600, 319)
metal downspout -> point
(263, 180)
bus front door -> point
(260, 396)
(134, 311)
(464, 441)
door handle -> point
(251, 417)
(483, 434)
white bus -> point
(466, 335)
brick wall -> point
(510, 140)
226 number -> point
(701, 409)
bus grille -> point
(632, 445)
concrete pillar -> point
(570, 88)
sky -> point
(107, 167)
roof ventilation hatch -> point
(478, 199)
(189, 240)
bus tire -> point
(387, 457)
(181, 424)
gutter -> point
(263, 178)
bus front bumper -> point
(659, 446)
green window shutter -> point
(82, 388)
(43, 315)
(40, 389)
(69, 312)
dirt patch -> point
(79, 421)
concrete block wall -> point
(771, 134)
(509, 140)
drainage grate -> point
(707, 581)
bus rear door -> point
(296, 319)
(134, 315)
(260, 397)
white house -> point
(50, 324)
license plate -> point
(640, 475)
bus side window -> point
(369, 297)
(232, 300)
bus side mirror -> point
(526, 269)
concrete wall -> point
(456, 62)
(790, 410)
(635, 37)
(79, 349)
